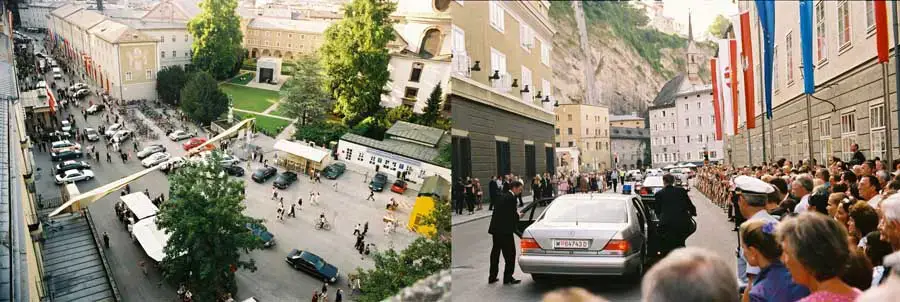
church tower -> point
(693, 58)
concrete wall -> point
(629, 151)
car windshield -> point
(587, 210)
(380, 177)
(315, 260)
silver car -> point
(150, 150)
(586, 234)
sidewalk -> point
(483, 213)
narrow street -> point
(472, 246)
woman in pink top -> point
(816, 250)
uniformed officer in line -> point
(751, 194)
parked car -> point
(63, 145)
(81, 93)
(95, 108)
(333, 171)
(285, 179)
(66, 126)
(399, 186)
(74, 175)
(150, 150)
(155, 159)
(71, 165)
(378, 182)
(57, 75)
(59, 135)
(121, 136)
(178, 135)
(263, 174)
(66, 154)
(92, 134)
(260, 232)
(610, 227)
(193, 143)
(112, 129)
(312, 264)
(234, 170)
(172, 164)
(77, 87)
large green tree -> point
(423, 257)
(718, 27)
(201, 98)
(304, 96)
(208, 240)
(432, 111)
(355, 58)
(217, 37)
(169, 82)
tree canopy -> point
(432, 111)
(209, 239)
(217, 37)
(304, 96)
(355, 58)
(423, 257)
(718, 27)
(201, 98)
(169, 82)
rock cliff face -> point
(626, 80)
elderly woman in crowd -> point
(816, 251)
(761, 249)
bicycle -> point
(323, 226)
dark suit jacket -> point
(505, 216)
(674, 207)
(858, 158)
(492, 189)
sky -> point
(703, 12)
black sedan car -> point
(333, 171)
(285, 179)
(233, 170)
(313, 265)
(378, 182)
(71, 165)
(263, 174)
(260, 232)
(66, 155)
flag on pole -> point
(747, 55)
(716, 108)
(51, 100)
(881, 31)
(806, 47)
(725, 87)
(766, 10)
(734, 84)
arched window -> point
(441, 5)
(431, 44)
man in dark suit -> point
(858, 158)
(493, 191)
(675, 209)
(502, 228)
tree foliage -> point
(423, 257)
(355, 58)
(373, 127)
(201, 98)
(718, 27)
(399, 113)
(444, 158)
(209, 239)
(304, 96)
(217, 38)
(432, 111)
(321, 132)
(169, 82)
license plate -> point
(570, 244)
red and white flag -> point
(726, 91)
(717, 109)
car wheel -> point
(540, 278)
(88, 178)
(638, 272)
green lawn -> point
(267, 125)
(278, 111)
(243, 79)
(252, 99)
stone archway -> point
(253, 53)
(289, 55)
(277, 54)
(266, 53)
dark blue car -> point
(313, 265)
(260, 232)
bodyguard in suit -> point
(502, 228)
(675, 209)
(493, 191)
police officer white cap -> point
(752, 185)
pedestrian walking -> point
(281, 200)
(108, 158)
(366, 177)
(365, 228)
(356, 230)
(371, 195)
(106, 239)
(292, 213)
(274, 193)
(300, 203)
(335, 185)
(359, 240)
(315, 297)
(502, 228)
(339, 295)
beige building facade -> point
(585, 127)
(283, 38)
(847, 75)
(627, 121)
(500, 88)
